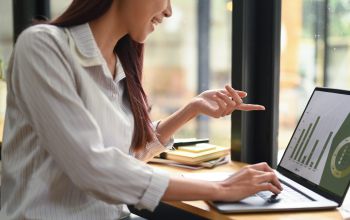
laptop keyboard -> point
(287, 195)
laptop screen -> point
(319, 150)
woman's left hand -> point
(221, 102)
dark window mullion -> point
(203, 65)
(25, 11)
(255, 68)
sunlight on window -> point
(171, 64)
(315, 51)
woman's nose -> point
(168, 11)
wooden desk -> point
(201, 208)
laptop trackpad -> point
(249, 202)
(252, 200)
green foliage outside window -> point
(339, 18)
(338, 15)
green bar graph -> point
(323, 149)
(298, 142)
(307, 132)
(304, 158)
(308, 139)
(312, 152)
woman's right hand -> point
(248, 181)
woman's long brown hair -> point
(130, 54)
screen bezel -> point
(301, 180)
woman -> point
(77, 124)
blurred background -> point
(315, 51)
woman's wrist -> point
(193, 108)
(166, 128)
(219, 190)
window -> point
(315, 51)
(171, 65)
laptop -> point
(315, 168)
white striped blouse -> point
(68, 130)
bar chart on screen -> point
(298, 153)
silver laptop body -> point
(315, 167)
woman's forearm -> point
(182, 189)
(170, 125)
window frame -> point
(256, 28)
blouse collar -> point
(84, 46)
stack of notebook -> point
(194, 154)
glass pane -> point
(6, 42)
(171, 59)
(338, 63)
(57, 7)
(315, 51)
(220, 57)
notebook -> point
(315, 168)
(189, 155)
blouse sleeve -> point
(44, 86)
(154, 148)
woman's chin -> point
(141, 38)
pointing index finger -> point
(250, 107)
